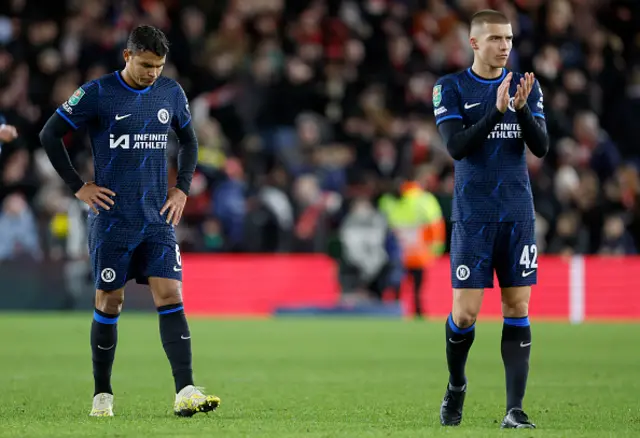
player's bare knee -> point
(110, 302)
(166, 291)
(464, 319)
(515, 302)
(464, 315)
(515, 310)
(466, 306)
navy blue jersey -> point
(492, 183)
(129, 131)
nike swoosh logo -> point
(471, 105)
(106, 349)
(185, 337)
(526, 274)
(122, 117)
(525, 344)
(176, 269)
(457, 342)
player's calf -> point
(174, 329)
(458, 341)
(459, 336)
(176, 340)
(460, 333)
(516, 343)
(104, 337)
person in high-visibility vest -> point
(415, 217)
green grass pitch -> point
(314, 378)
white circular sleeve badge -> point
(163, 116)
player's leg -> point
(174, 329)
(460, 333)
(176, 340)
(110, 258)
(160, 264)
(104, 338)
(517, 272)
(471, 272)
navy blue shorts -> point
(119, 255)
(480, 248)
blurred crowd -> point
(308, 111)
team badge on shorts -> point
(463, 272)
(108, 275)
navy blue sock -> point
(516, 348)
(176, 340)
(459, 341)
(104, 337)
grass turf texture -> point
(316, 378)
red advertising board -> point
(612, 288)
(576, 289)
(256, 285)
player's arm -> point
(463, 142)
(76, 111)
(188, 152)
(530, 112)
(51, 138)
(187, 157)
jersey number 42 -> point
(529, 257)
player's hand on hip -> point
(502, 99)
(92, 195)
(524, 88)
(174, 206)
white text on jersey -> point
(506, 130)
(140, 141)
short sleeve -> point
(181, 112)
(536, 100)
(81, 107)
(446, 100)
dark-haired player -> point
(486, 115)
(128, 115)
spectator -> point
(366, 264)
(616, 240)
(338, 96)
(18, 232)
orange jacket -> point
(416, 220)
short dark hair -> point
(489, 16)
(148, 39)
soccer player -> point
(128, 115)
(486, 114)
